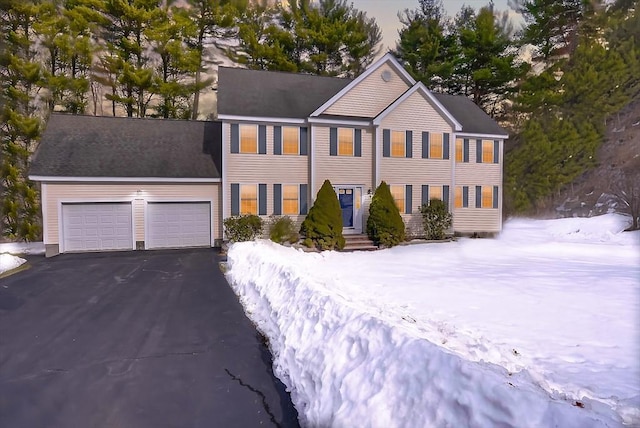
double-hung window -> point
(248, 139)
(399, 197)
(435, 146)
(487, 151)
(486, 196)
(290, 140)
(290, 199)
(345, 142)
(398, 144)
(248, 199)
(461, 197)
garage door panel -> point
(97, 227)
(177, 224)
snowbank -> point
(528, 330)
(8, 262)
(22, 248)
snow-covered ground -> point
(9, 261)
(540, 327)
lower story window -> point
(290, 199)
(248, 199)
(435, 192)
(461, 197)
(398, 196)
(486, 196)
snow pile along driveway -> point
(8, 262)
(533, 329)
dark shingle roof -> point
(258, 93)
(472, 118)
(89, 146)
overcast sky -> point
(386, 13)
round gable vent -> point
(386, 75)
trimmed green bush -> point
(282, 229)
(243, 228)
(435, 219)
(323, 225)
(384, 225)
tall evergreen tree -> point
(21, 79)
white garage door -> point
(97, 227)
(178, 224)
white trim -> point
(312, 167)
(429, 97)
(225, 183)
(388, 57)
(482, 136)
(347, 122)
(378, 157)
(175, 200)
(262, 119)
(353, 187)
(46, 178)
(85, 201)
(45, 214)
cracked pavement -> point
(135, 339)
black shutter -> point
(277, 199)
(408, 198)
(262, 139)
(262, 199)
(357, 150)
(445, 146)
(277, 140)
(478, 151)
(425, 194)
(465, 196)
(386, 143)
(303, 199)
(409, 143)
(496, 151)
(235, 138)
(235, 199)
(445, 197)
(333, 142)
(478, 196)
(495, 196)
(304, 143)
(465, 157)
(425, 146)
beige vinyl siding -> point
(416, 114)
(105, 192)
(472, 174)
(371, 96)
(342, 169)
(269, 169)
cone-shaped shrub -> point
(322, 227)
(384, 225)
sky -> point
(386, 13)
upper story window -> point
(435, 146)
(398, 196)
(398, 144)
(487, 151)
(462, 150)
(248, 139)
(290, 140)
(345, 142)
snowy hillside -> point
(537, 328)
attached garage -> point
(97, 227)
(178, 224)
(113, 183)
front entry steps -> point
(358, 243)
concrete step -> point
(358, 243)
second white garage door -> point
(178, 224)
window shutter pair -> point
(277, 199)
(425, 145)
(277, 141)
(445, 195)
(479, 196)
(235, 139)
(333, 142)
(235, 199)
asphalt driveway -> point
(135, 339)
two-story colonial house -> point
(283, 134)
(123, 183)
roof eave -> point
(74, 179)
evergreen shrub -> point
(282, 229)
(243, 228)
(385, 225)
(436, 219)
(322, 227)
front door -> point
(346, 204)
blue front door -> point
(346, 203)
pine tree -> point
(385, 225)
(21, 79)
(323, 225)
